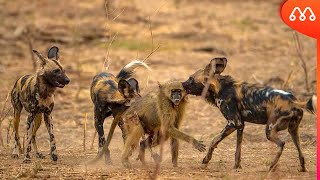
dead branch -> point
(3, 114)
(303, 64)
(85, 132)
(206, 87)
(152, 46)
(29, 41)
(285, 84)
(94, 137)
(108, 49)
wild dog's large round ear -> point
(123, 86)
(216, 66)
(53, 53)
(134, 84)
(43, 60)
(220, 64)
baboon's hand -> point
(198, 145)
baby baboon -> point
(110, 95)
(159, 115)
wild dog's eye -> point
(178, 90)
(56, 71)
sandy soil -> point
(250, 33)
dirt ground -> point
(259, 46)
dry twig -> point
(299, 50)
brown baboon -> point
(241, 102)
(159, 115)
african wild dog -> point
(35, 93)
(111, 95)
(241, 102)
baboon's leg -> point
(49, 125)
(175, 133)
(30, 124)
(174, 151)
(237, 164)
(121, 126)
(151, 141)
(132, 140)
(216, 140)
(142, 149)
(294, 132)
(37, 123)
(272, 135)
(16, 120)
(100, 113)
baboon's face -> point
(195, 84)
(176, 96)
(174, 91)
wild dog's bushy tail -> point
(310, 105)
(128, 70)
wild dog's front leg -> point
(100, 113)
(30, 124)
(216, 140)
(49, 125)
(37, 123)
(238, 149)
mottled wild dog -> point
(158, 114)
(241, 102)
(111, 95)
(35, 93)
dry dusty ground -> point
(249, 32)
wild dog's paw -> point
(15, 156)
(237, 166)
(40, 155)
(203, 166)
(27, 160)
(303, 170)
(54, 157)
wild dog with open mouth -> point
(241, 102)
(111, 95)
(35, 93)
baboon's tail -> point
(128, 70)
(310, 105)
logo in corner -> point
(301, 15)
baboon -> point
(241, 102)
(158, 114)
(35, 94)
(112, 95)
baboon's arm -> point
(175, 133)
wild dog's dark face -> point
(51, 69)
(196, 82)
